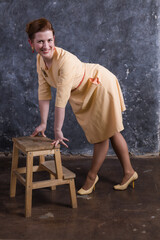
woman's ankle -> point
(91, 175)
(129, 172)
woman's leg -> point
(120, 147)
(99, 154)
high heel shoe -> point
(125, 185)
(90, 190)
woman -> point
(95, 97)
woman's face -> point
(43, 43)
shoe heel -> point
(125, 185)
(90, 190)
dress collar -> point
(43, 62)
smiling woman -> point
(43, 43)
(95, 97)
(41, 38)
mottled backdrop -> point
(122, 35)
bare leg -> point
(120, 147)
(99, 154)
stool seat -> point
(30, 144)
(59, 175)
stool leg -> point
(29, 176)
(58, 164)
(73, 193)
(52, 177)
(42, 160)
(13, 180)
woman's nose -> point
(45, 44)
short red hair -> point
(38, 25)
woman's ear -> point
(54, 39)
(30, 42)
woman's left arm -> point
(59, 115)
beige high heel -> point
(90, 190)
(125, 185)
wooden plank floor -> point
(105, 214)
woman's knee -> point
(115, 135)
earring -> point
(32, 49)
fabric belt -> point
(79, 83)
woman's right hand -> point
(59, 138)
(40, 129)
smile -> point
(45, 51)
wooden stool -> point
(39, 146)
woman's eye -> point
(50, 40)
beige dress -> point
(93, 92)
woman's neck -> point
(48, 63)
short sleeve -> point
(65, 82)
(44, 89)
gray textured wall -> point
(122, 35)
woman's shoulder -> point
(40, 62)
(39, 59)
(62, 53)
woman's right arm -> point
(44, 109)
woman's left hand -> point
(59, 139)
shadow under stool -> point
(59, 175)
